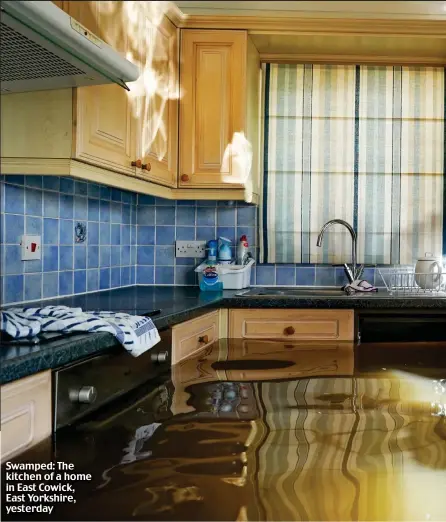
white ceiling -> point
(434, 10)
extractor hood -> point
(42, 47)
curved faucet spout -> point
(354, 272)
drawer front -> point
(292, 324)
(26, 413)
(194, 335)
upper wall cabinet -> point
(219, 109)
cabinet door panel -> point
(212, 107)
(159, 104)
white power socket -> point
(190, 248)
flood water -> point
(269, 431)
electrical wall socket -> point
(190, 249)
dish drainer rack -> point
(407, 282)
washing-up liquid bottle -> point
(210, 282)
(224, 250)
(242, 250)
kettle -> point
(224, 250)
(428, 271)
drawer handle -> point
(203, 339)
(184, 178)
(289, 330)
(137, 164)
(146, 166)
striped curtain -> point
(362, 143)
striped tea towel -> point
(359, 286)
(136, 333)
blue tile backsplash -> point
(130, 239)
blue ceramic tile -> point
(13, 260)
(66, 206)
(165, 215)
(185, 275)
(206, 203)
(228, 232)
(65, 283)
(369, 275)
(340, 277)
(145, 275)
(115, 277)
(93, 233)
(125, 255)
(33, 181)
(80, 281)
(285, 276)
(126, 214)
(66, 232)
(33, 225)
(104, 212)
(15, 199)
(94, 191)
(145, 255)
(164, 255)
(105, 192)
(33, 287)
(126, 197)
(66, 185)
(146, 235)
(253, 276)
(115, 255)
(104, 256)
(125, 275)
(125, 235)
(187, 203)
(305, 276)
(50, 258)
(65, 258)
(115, 212)
(80, 188)
(134, 215)
(146, 216)
(164, 275)
(104, 278)
(133, 256)
(33, 202)
(226, 217)
(92, 256)
(325, 276)
(144, 199)
(134, 235)
(186, 261)
(51, 183)
(93, 209)
(80, 207)
(13, 288)
(246, 216)
(186, 216)
(206, 216)
(104, 233)
(163, 202)
(133, 275)
(51, 204)
(115, 194)
(50, 231)
(205, 233)
(165, 235)
(185, 233)
(14, 228)
(115, 235)
(16, 179)
(80, 257)
(265, 275)
(32, 266)
(50, 284)
(92, 280)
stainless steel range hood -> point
(41, 47)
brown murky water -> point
(267, 431)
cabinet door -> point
(212, 107)
(105, 116)
(159, 103)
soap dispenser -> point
(224, 250)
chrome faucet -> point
(354, 272)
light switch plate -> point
(190, 249)
(31, 247)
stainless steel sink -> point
(292, 292)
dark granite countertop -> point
(177, 304)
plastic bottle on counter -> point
(242, 250)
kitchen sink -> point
(292, 292)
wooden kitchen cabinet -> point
(26, 413)
(292, 324)
(219, 109)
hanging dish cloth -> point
(359, 286)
